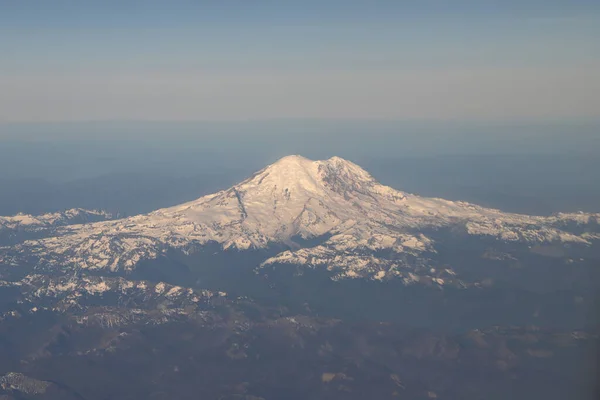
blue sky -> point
(253, 60)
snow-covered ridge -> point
(300, 198)
(67, 217)
(66, 292)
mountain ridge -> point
(296, 197)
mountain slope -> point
(295, 199)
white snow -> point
(97, 288)
(296, 197)
(31, 222)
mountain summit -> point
(354, 218)
(312, 176)
(293, 196)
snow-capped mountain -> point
(256, 275)
(295, 199)
(28, 222)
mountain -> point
(20, 227)
(308, 280)
(330, 214)
(52, 220)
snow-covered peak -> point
(291, 160)
(334, 199)
(339, 166)
(308, 175)
(341, 176)
(288, 172)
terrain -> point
(309, 279)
